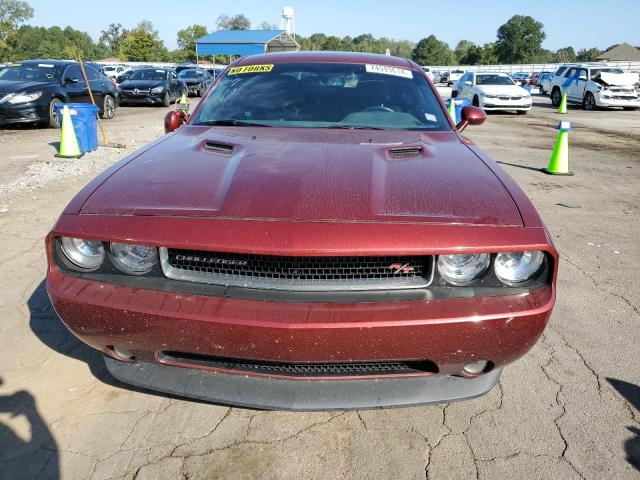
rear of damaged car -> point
(332, 268)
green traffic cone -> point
(69, 146)
(559, 162)
(563, 104)
(452, 110)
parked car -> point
(520, 77)
(125, 75)
(197, 80)
(444, 78)
(30, 91)
(151, 86)
(427, 70)
(492, 91)
(544, 82)
(113, 71)
(536, 78)
(454, 76)
(358, 253)
(596, 85)
(437, 77)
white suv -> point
(596, 85)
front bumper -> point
(31, 112)
(496, 104)
(150, 99)
(279, 394)
(617, 102)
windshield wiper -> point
(232, 123)
(346, 126)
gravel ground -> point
(568, 409)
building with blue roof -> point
(245, 42)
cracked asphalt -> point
(568, 410)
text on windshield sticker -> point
(388, 70)
(251, 69)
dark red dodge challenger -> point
(317, 235)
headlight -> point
(516, 267)
(462, 269)
(159, 89)
(15, 98)
(133, 259)
(86, 254)
(487, 95)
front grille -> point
(342, 369)
(297, 273)
(141, 91)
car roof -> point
(492, 73)
(59, 63)
(324, 57)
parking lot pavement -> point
(569, 409)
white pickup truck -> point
(596, 85)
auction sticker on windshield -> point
(388, 70)
(251, 69)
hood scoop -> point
(217, 147)
(404, 153)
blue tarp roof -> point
(237, 42)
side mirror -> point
(468, 82)
(174, 120)
(471, 116)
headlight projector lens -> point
(517, 267)
(85, 254)
(134, 259)
(462, 269)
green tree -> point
(332, 44)
(12, 14)
(431, 51)
(236, 22)
(187, 41)
(489, 56)
(142, 44)
(111, 37)
(462, 50)
(563, 55)
(54, 42)
(519, 39)
(587, 55)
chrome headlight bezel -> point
(530, 263)
(463, 269)
(133, 259)
(82, 255)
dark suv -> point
(29, 91)
(151, 86)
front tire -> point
(54, 118)
(166, 101)
(108, 108)
(522, 112)
(556, 97)
(476, 101)
(589, 102)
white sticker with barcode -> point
(389, 70)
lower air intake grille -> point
(297, 273)
(345, 369)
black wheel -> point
(522, 112)
(54, 117)
(476, 101)
(630, 109)
(108, 108)
(589, 102)
(556, 97)
(454, 94)
(166, 101)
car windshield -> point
(595, 71)
(148, 74)
(34, 72)
(324, 95)
(189, 74)
(493, 79)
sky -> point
(577, 23)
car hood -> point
(9, 86)
(502, 90)
(308, 174)
(141, 83)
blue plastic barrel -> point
(85, 124)
(459, 104)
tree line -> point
(519, 40)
